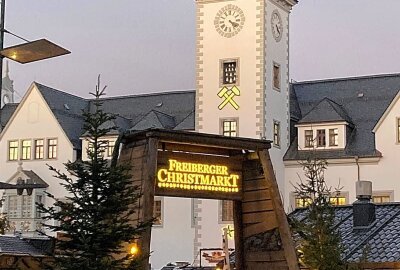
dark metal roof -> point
(380, 242)
(170, 110)
(363, 99)
(13, 245)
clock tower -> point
(242, 82)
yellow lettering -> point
(220, 181)
(162, 175)
(205, 180)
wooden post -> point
(149, 176)
(284, 230)
(238, 234)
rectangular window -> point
(12, 211)
(157, 212)
(227, 211)
(277, 133)
(302, 202)
(229, 71)
(39, 199)
(13, 150)
(308, 138)
(381, 198)
(333, 137)
(321, 138)
(26, 206)
(277, 76)
(110, 148)
(52, 149)
(229, 128)
(337, 200)
(39, 149)
(26, 149)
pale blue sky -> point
(149, 46)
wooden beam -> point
(149, 173)
(238, 225)
(285, 233)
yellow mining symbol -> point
(228, 95)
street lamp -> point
(28, 52)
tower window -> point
(276, 76)
(229, 127)
(321, 138)
(229, 72)
(277, 133)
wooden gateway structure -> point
(188, 164)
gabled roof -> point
(380, 241)
(155, 119)
(187, 123)
(363, 99)
(67, 109)
(326, 111)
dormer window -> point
(309, 138)
(321, 142)
(333, 137)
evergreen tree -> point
(96, 215)
(320, 243)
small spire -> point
(20, 166)
(7, 69)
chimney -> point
(363, 208)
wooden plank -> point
(286, 236)
(258, 217)
(259, 195)
(251, 185)
(257, 228)
(263, 256)
(238, 235)
(258, 206)
(197, 149)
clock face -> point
(277, 25)
(229, 21)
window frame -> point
(321, 133)
(276, 80)
(276, 133)
(35, 149)
(25, 150)
(230, 120)
(306, 141)
(383, 193)
(15, 150)
(334, 136)
(161, 218)
(222, 204)
(50, 154)
(112, 143)
(222, 62)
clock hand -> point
(234, 24)
(277, 29)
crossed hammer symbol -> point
(229, 94)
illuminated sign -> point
(227, 95)
(197, 176)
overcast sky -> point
(149, 46)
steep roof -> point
(6, 113)
(170, 110)
(380, 241)
(326, 111)
(362, 99)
